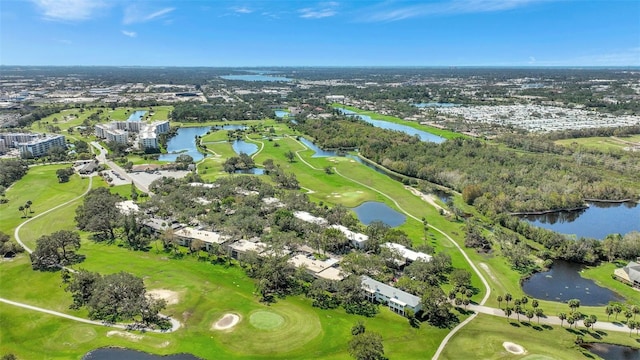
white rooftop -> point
(408, 253)
(312, 264)
(127, 207)
(353, 236)
(206, 236)
(305, 216)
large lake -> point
(185, 143)
(598, 221)
(424, 136)
(371, 211)
(563, 282)
(127, 354)
(256, 77)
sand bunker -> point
(513, 348)
(171, 297)
(226, 322)
(124, 335)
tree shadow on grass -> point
(547, 327)
(514, 324)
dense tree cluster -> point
(494, 179)
(220, 111)
(99, 213)
(8, 247)
(56, 250)
(11, 170)
(115, 297)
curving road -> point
(175, 324)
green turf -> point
(483, 338)
(266, 320)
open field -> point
(483, 338)
(603, 143)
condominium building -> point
(41, 145)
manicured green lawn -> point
(483, 338)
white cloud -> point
(242, 10)
(69, 10)
(323, 10)
(451, 7)
(133, 14)
(130, 34)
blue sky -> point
(329, 33)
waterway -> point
(137, 115)
(613, 352)
(128, 354)
(597, 221)
(253, 171)
(371, 211)
(185, 143)
(256, 77)
(563, 282)
(423, 135)
(241, 146)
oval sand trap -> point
(226, 322)
(513, 348)
(266, 320)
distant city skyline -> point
(496, 33)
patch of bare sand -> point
(125, 334)
(226, 322)
(514, 348)
(429, 198)
(171, 297)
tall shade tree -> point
(367, 346)
(99, 213)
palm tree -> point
(534, 303)
(538, 313)
(571, 320)
(608, 310)
(635, 310)
(593, 319)
(574, 304)
(507, 311)
(529, 315)
(524, 301)
(617, 309)
(507, 298)
(499, 298)
(518, 310)
(562, 316)
(21, 208)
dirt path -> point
(427, 198)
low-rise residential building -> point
(325, 269)
(242, 247)
(407, 254)
(397, 300)
(629, 274)
(186, 235)
(307, 217)
(357, 240)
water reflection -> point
(613, 352)
(128, 354)
(563, 282)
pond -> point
(613, 352)
(128, 354)
(371, 211)
(184, 143)
(597, 221)
(253, 171)
(423, 135)
(230, 127)
(256, 77)
(281, 113)
(563, 282)
(137, 115)
(241, 146)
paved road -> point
(175, 325)
(102, 157)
